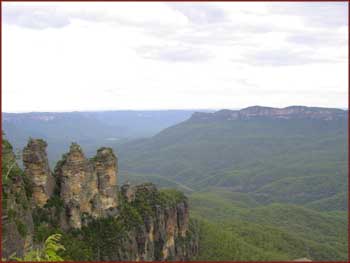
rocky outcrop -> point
(37, 170)
(82, 194)
(106, 167)
(155, 224)
(78, 186)
(88, 188)
(128, 192)
(292, 112)
(164, 233)
(17, 221)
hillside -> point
(276, 231)
(299, 159)
(270, 184)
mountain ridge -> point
(247, 154)
(290, 112)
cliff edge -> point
(82, 200)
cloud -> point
(160, 55)
(200, 13)
(174, 53)
(319, 14)
(318, 38)
(59, 15)
(35, 17)
(246, 82)
(284, 57)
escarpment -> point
(159, 225)
(17, 221)
(133, 223)
(259, 112)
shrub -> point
(48, 253)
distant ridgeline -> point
(81, 200)
(89, 129)
(254, 112)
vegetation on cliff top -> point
(102, 238)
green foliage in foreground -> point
(49, 252)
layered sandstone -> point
(106, 168)
(88, 188)
(78, 185)
(165, 232)
(38, 171)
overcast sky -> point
(106, 56)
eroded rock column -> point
(38, 171)
(106, 168)
(78, 185)
(88, 188)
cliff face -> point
(141, 222)
(164, 232)
(292, 112)
(17, 221)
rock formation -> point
(78, 186)
(17, 221)
(37, 171)
(164, 233)
(82, 193)
(128, 192)
(88, 188)
(106, 167)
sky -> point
(76, 56)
